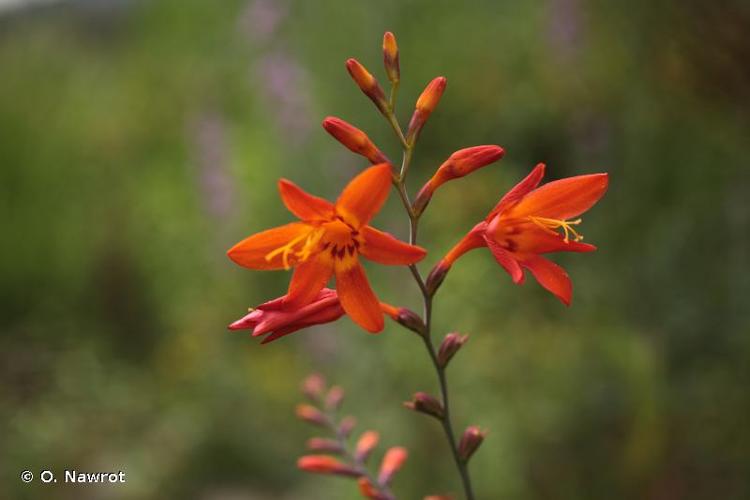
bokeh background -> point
(140, 140)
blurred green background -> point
(140, 140)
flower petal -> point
(550, 276)
(357, 298)
(525, 237)
(303, 204)
(308, 280)
(506, 260)
(383, 248)
(473, 239)
(564, 198)
(251, 252)
(363, 197)
(520, 190)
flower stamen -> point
(551, 225)
(311, 238)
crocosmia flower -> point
(530, 221)
(328, 241)
(275, 319)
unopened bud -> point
(424, 403)
(465, 161)
(366, 443)
(314, 386)
(368, 490)
(390, 57)
(367, 84)
(450, 346)
(470, 441)
(423, 198)
(392, 461)
(323, 464)
(346, 426)
(426, 104)
(311, 415)
(436, 276)
(354, 139)
(324, 445)
(411, 320)
(334, 398)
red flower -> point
(328, 241)
(278, 319)
(530, 221)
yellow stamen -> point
(550, 225)
(311, 238)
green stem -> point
(427, 305)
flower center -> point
(341, 241)
(300, 248)
(552, 225)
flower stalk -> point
(427, 299)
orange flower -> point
(530, 221)
(328, 241)
(392, 462)
(323, 464)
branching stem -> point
(400, 184)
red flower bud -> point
(334, 398)
(424, 403)
(324, 445)
(450, 346)
(459, 164)
(368, 490)
(354, 139)
(426, 104)
(366, 443)
(470, 441)
(311, 415)
(313, 386)
(390, 57)
(393, 461)
(323, 464)
(367, 84)
(436, 276)
(346, 426)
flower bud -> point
(436, 276)
(465, 161)
(354, 139)
(368, 490)
(334, 398)
(393, 461)
(324, 445)
(311, 415)
(390, 57)
(470, 441)
(313, 386)
(424, 403)
(410, 320)
(450, 346)
(367, 84)
(346, 426)
(426, 104)
(323, 464)
(459, 164)
(366, 443)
